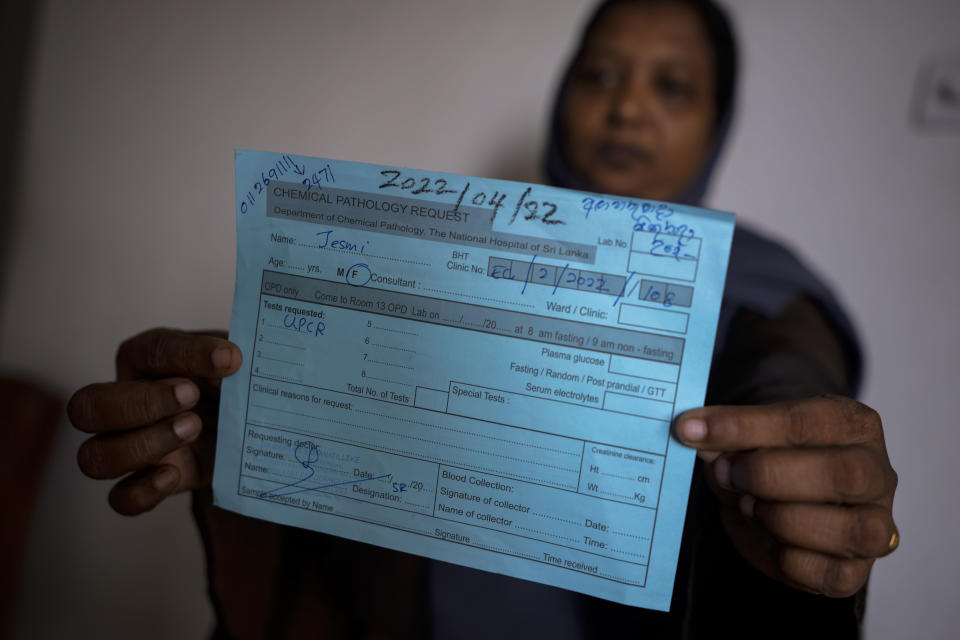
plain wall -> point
(126, 221)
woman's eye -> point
(671, 87)
(599, 76)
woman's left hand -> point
(806, 487)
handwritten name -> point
(328, 240)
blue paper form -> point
(477, 371)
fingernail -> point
(693, 430)
(222, 357)
(721, 470)
(186, 427)
(747, 503)
(186, 393)
(166, 479)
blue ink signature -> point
(306, 454)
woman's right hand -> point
(156, 424)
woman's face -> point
(638, 112)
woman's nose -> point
(631, 104)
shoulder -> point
(765, 275)
(767, 279)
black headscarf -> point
(725, 64)
(762, 275)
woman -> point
(792, 493)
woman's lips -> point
(620, 155)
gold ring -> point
(894, 540)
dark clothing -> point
(764, 277)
